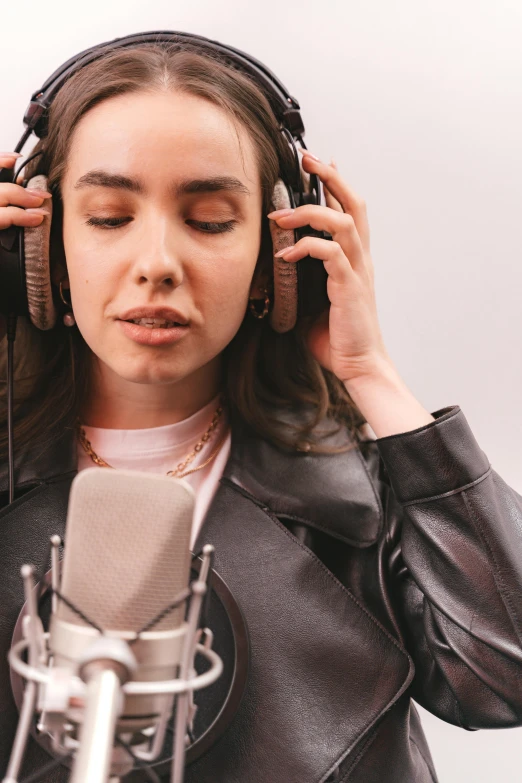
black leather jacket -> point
(366, 579)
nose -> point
(158, 265)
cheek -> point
(222, 289)
(91, 284)
(225, 278)
(92, 272)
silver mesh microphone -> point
(127, 549)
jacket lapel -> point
(323, 670)
(332, 493)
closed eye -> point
(207, 228)
(214, 228)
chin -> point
(151, 375)
(154, 370)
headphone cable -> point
(11, 334)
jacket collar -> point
(333, 493)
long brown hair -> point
(264, 373)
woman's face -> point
(168, 167)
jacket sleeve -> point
(454, 531)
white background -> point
(420, 103)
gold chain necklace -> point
(177, 472)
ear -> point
(59, 274)
(264, 271)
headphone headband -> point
(285, 107)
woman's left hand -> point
(347, 338)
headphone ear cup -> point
(42, 311)
(283, 315)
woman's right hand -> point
(18, 206)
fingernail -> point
(11, 155)
(280, 213)
(306, 152)
(283, 251)
(38, 211)
(40, 193)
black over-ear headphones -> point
(25, 281)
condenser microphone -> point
(119, 655)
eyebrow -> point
(104, 179)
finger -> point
(331, 201)
(331, 253)
(7, 159)
(340, 225)
(350, 201)
(15, 195)
(13, 216)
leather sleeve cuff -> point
(438, 458)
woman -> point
(369, 571)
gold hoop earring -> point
(68, 319)
(62, 297)
(252, 303)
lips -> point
(149, 315)
(154, 323)
(152, 335)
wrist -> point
(386, 402)
(381, 371)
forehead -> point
(156, 134)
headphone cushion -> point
(42, 311)
(283, 316)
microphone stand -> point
(31, 691)
(108, 665)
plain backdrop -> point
(420, 104)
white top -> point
(160, 449)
